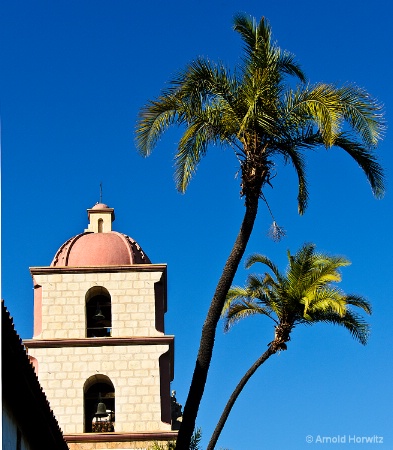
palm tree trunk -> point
(235, 394)
(209, 328)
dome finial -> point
(100, 218)
(100, 191)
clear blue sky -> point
(74, 75)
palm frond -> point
(300, 265)
(362, 112)
(203, 81)
(265, 118)
(258, 258)
(154, 119)
(196, 439)
(246, 26)
(354, 323)
(192, 147)
(241, 309)
(367, 162)
(297, 159)
(329, 299)
(236, 294)
(364, 156)
(359, 302)
(288, 65)
(321, 104)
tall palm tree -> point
(255, 112)
(305, 295)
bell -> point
(98, 315)
(101, 409)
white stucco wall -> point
(9, 431)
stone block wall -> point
(133, 370)
(60, 299)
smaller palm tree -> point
(305, 294)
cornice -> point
(45, 270)
(99, 342)
(122, 437)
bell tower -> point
(99, 346)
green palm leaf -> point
(366, 160)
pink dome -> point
(99, 249)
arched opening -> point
(99, 404)
(100, 225)
(98, 312)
